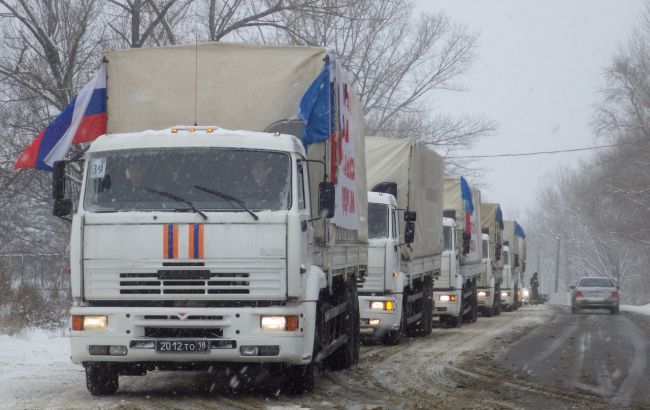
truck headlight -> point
(89, 322)
(289, 323)
(505, 294)
(447, 298)
(382, 305)
(526, 293)
(483, 293)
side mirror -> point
(409, 232)
(326, 199)
(58, 180)
(62, 207)
(409, 216)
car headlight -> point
(95, 322)
(279, 322)
(381, 305)
(447, 298)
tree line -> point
(599, 211)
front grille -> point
(176, 317)
(199, 282)
(175, 332)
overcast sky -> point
(539, 68)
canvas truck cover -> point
(418, 173)
(489, 220)
(453, 200)
(513, 242)
(244, 87)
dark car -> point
(595, 293)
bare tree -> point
(399, 62)
(145, 22)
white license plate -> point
(182, 346)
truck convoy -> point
(194, 246)
(455, 290)
(489, 282)
(406, 183)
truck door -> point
(304, 211)
(392, 248)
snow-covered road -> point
(37, 373)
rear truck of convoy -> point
(489, 282)
(195, 247)
(404, 238)
(520, 265)
(455, 290)
(514, 265)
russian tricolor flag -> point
(466, 195)
(83, 120)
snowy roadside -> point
(29, 363)
(644, 310)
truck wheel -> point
(454, 321)
(301, 377)
(101, 379)
(426, 324)
(497, 305)
(343, 357)
(614, 310)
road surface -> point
(536, 357)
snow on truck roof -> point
(381, 198)
(189, 136)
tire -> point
(101, 379)
(425, 326)
(454, 321)
(344, 356)
(614, 310)
(575, 309)
(301, 378)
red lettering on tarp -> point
(348, 168)
(346, 97)
(349, 203)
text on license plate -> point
(189, 346)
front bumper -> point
(487, 299)
(388, 319)
(596, 303)
(230, 329)
(446, 308)
(508, 300)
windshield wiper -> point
(228, 198)
(178, 199)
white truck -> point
(395, 297)
(195, 247)
(489, 282)
(511, 284)
(455, 290)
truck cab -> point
(448, 286)
(193, 246)
(508, 287)
(381, 293)
(488, 300)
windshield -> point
(377, 221)
(595, 283)
(145, 180)
(447, 237)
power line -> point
(559, 151)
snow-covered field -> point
(644, 310)
(27, 361)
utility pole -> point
(557, 264)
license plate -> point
(182, 346)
